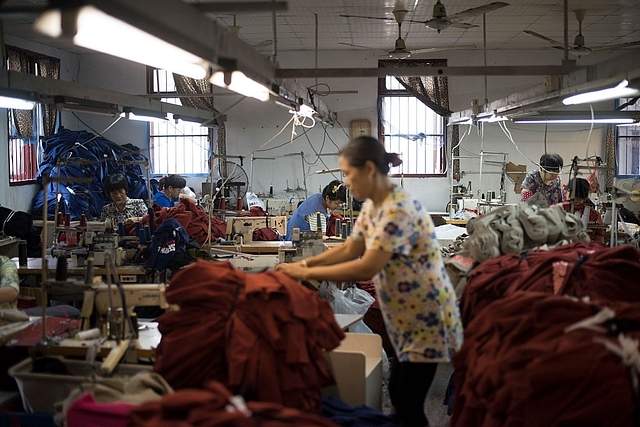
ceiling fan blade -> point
(615, 46)
(545, 38)
(368, 17)
(439, 48)
(476, 11)
(463, 25)
(363, 47)
(262, 44)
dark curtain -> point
(433, 91)
(49, 68)
(610, 159)
(22, 119)
(187, 85)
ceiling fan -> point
(400, 50)
(578, 48)
(235, 30)
(440, 21)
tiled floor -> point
(435, 410)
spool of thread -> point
(121, 229)
(60, 219)
(89, 334)
(67, 219)
(348, 228)
(271, 190)
(239, 204)
(147, 232)
(22, 253)
(223, 203)
(344, 231)
(61, 269)
(318, 221)
(338, 228)
(138, 228)
(83, 220)
(142, 236)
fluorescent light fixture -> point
(93, 29)
(143, 115)
(577, 117)
(622, 90)
(17, 99)
(461, 121)
(238, 82)
(86, 106)
(492, 118)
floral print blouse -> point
(8, 278)
(533, 184)
(416, 297)
(133, 208)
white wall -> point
(252, 124)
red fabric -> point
(594, 219)
(591, 270)
(247, 330)
(86, 412)
(192, 217)
(206, 408)
(265, 234)
(517, 366)
(255, 211)
(331, 227)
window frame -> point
(384, 92)
(172, 95)
(619, 138)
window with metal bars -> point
(181, 148)
(628, 143)
(410, 128)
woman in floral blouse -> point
(545, 180)
(394, 242)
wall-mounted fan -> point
(235, 30)
(400, 51)
(440, 21)
(629, 194)
(578, 48)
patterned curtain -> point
(50, 68)
(22, 119)
(455, 139)
(433, 91)
(190, 86)
(610, 159)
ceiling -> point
(606, 22)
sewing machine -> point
(305, 244)
(244, 226)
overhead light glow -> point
(99, 31)
(238, 82)
(142, 115)
(622, 90)
(16, 103)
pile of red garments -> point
(578, 269)
(263, 335)
(193, 218)
(214, 406)
(519, 368)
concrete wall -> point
(252, 126)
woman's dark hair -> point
(175, 181)
(115, 182)
(335, 191)
(551, 162)
(365, 148)
(581, 188)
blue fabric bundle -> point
(80, 154)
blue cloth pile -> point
(76, 154)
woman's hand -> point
(297, 270)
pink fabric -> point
(86, 412)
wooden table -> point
(456, 221)
(148, 340)
(34, 267)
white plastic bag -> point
(254, 200)
(353, 300)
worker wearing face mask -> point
(332, 196)
(545, 180)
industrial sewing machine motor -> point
(305, 244)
